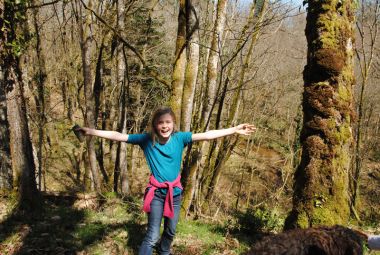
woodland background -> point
(108, 64)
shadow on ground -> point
(249, 227)
(57, 228)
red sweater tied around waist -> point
(153, 185)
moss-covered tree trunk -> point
(179, 64)
(321, 179)
(209, 95)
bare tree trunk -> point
(5, 154)
(40, 98)
(321, 179)
(192, 64)
(86, 46)
(124, 182)
(121, 166)
(21, 146)
(20, 143)
(220, 154)
(98, 92)
(365, 53)
(212, 65)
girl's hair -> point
(155, 116)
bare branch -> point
(46, 4)
(151, 72)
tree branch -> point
(46, 4)
(131, 47)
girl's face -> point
(164, 127)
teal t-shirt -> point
(164, 160)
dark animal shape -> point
(336, 240)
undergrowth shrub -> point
(259, 220)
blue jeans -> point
(154, 223)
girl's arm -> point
(111, 135)
(242, 129)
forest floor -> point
(67, 224)
(81, 225)
(75, 223)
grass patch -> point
(116, 227)
(59, 228)
(198, 237)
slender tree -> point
(321, 179)
(368, 28)
(221, 153)
(39, 82)
(86, 46)
(179, 64)
(192, 64)
(191, 169)
(121, 166)
(212, 64)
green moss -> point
(91, 232)
(324, 199)
(329, 40)
(333, 212)
(330, 206)
(347, 74)
(331, 123)
(322, 84)
(303, 220)
(343, 133)
(344, 93)
(324, 216)
(333, 26)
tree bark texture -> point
(193, 163)
(368, 21)
(220, 153)
(20, 143)
(40, 75)
(191, 74)
(5, 154)
(86, 46)
(178, 76)
(321, 179)
(121, 166)
(212, 65)
(192, 64)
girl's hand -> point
(83, 130)
(80, 132)
(245, 129)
